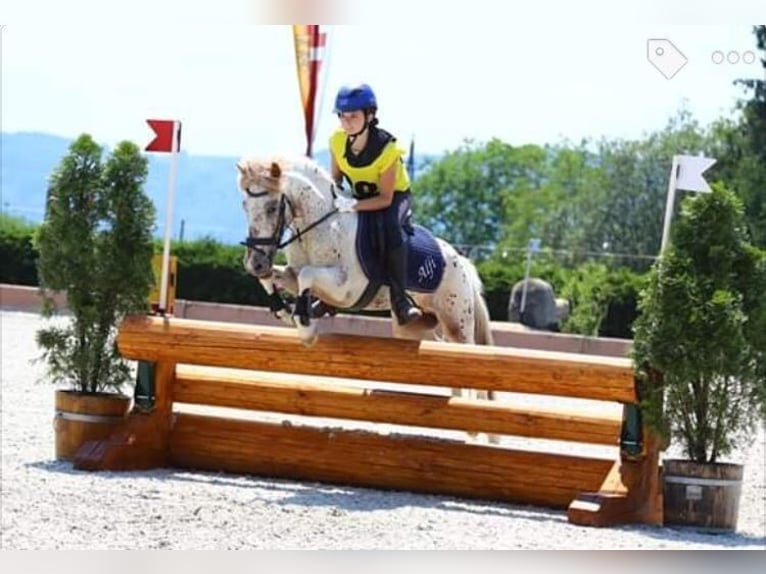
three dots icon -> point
(733, 57)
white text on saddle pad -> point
(426, 270)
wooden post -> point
(142, 442)
(632, 491)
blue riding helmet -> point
(351, 98)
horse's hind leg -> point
(327, 283)
(455, 311)
(415, 331)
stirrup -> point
(407, 314)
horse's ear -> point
(275, 171)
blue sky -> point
(442, 74)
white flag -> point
(690, 170)
(686, 173)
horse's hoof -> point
(287, 318)
(428, 321)
(423, 322)
(308, 336)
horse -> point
(294, 197)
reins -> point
(300, 233)
(284, 202)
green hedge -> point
(17, 251)
(210, 271)
(603, 298)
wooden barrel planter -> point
(702, 495)
(82, 417)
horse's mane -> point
(268, 172)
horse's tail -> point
(482, 328)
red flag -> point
(163, 140)
(309, 44)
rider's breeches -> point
(393, 219)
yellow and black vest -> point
(363, 171)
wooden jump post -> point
(192, 361)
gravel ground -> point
(48, 505)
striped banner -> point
(309, 51)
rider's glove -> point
(345, 204)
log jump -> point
(268, 369)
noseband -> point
(255, 243)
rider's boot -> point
(402, 306)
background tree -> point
(603, 197)
(461, 196)
(588, 198)
(747, 160)
(635, 175)
(703, 327)
(550, 199)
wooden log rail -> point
(268, 369)
(378, 359)
(293, 394)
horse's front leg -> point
(277, 305)
(286, 277)
(325, 282)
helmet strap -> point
(352, 137)
(367, 123)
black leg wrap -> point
(302, 308)
(320, 308)
(276, 303)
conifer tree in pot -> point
(701, 333)
(95, 246)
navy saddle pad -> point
(425, 263)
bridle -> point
(255, 243)
(276, 302)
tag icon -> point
(663, 55)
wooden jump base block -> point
(193, 361)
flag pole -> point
(533, 245)
(526, 281)
(322, 64)
(169, 215)
(411, 160)
(670, 201)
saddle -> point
(425, 262)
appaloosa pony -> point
(332, 256)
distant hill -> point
(206, 197)
(206, 201)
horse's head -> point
(268, 211)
